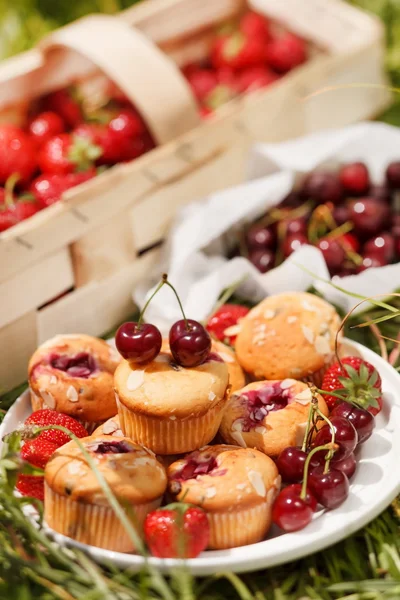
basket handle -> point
(150, 80)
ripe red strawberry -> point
(254, 78)
(226, 317)
(44, 126)
(17, 154)
(48, 189)
(286, 52)
(38, 451)
(358, 382)
(24, 208)
(254, 25)
(177, 531)
(237, 51)
(31, 485)
(205, 112)
(45, 417)
(7, 219)
(63, 103)
(202, 82)
(66, 153)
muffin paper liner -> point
(92, 524)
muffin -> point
(74, 374)
(236, 376)
(269, 415)
(75, 504)
(288, 335)
(168, 408)
(235, 486)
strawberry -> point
(202, 82)
(254, 78)
(177, 531)
(225, 318)
(25, 207)
(48, 189)
(44, 126)
(254, 25)
(358, 382)
(286, 52)
(205, 112)
(68, 153)
(17, 154)
(31, 485)
(65, 105)
(7, 219)
(237, 51)
(45, 417)
(38, 451)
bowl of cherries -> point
(354, 222)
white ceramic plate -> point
(375, 484)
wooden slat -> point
(18, 341)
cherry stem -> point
(303, 492)
(165, 280)
(9, 189)
(311, 412)
(331, 450)
(158, 288)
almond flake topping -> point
(48, 399)
(211, 396)
(304, 397)
(322, 345)
(309, 306)
(226, 357)
(269, 314)
(292, 319)
(74, 467)
(241, 486)
(162, 358)
(109, 427)
(308, 333)
(257, 482)
(287, 383)
(237, 425)
(260, 430)
(211, 492)
(72, 394)
(237, 436)
(53, 380)
(232, 330)
(135, 380)
(172, 418)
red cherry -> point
(350, 242)
(296, 225)
(382, 245)
(369, 215)
(292, 200)
(371, 261)
(393, 175)
(290, 512)
(347, 465)
(354, 178)
(255, 78)
(139, 343)
(341, 214)
(322, 186)
(345, 437)
(44, 126)
(263, 260)
(380, 192)
(362, 420)
(293, 243)
(286, 52)
(332, 251)
(291, 463)
(260, 238)
(330, 489)
(190, 343)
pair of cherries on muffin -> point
(139, 342)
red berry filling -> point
(111, 448)
(259, 403)
(81, 365)
(199, 464)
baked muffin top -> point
(132, 472)
(287, 335)
(164, 389)
(224, 477)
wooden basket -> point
(91, 245)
